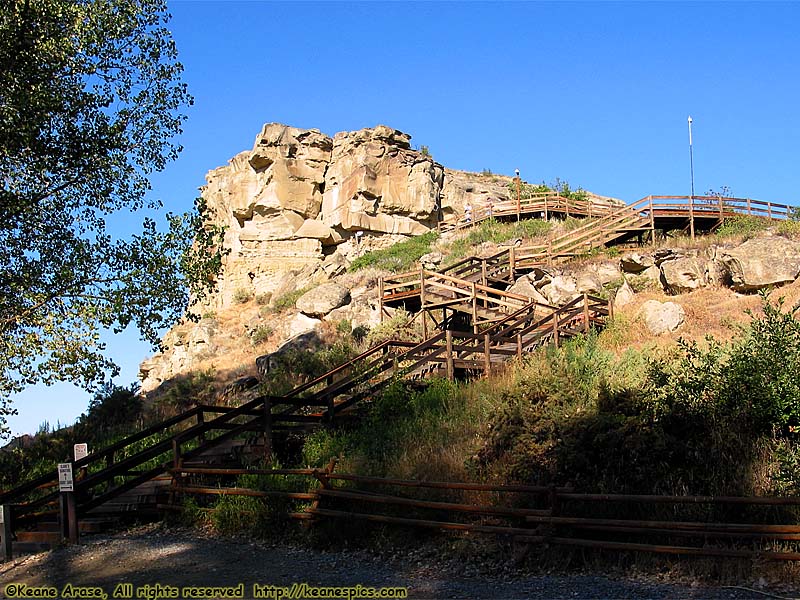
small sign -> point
(80, 451)
(65, 477)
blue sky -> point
(593, 93)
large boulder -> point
(683, 275)
(524, 287)
(762, 262)
(307, 340)
(635, 262)
(323, 299)
(662, 317)
(561, 290)
(624, 295)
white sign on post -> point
(80, 451)
(65, 477)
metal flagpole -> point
(691, 170)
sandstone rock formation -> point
(684, 274)
(762, 262)
(662, 317)
(321, 300)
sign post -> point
(80, 451)
(5, 528)
(68, 514)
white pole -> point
(691, 170)
(691, 157)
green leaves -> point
(90, 104)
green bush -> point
(399, 257)
(495, 232)
(742, 225)
(695, 420)
(242, 295)
(288, 300)
(261, 334)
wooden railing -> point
(720, 206)
(532, 514)
(544, 203)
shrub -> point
(398, 257)
(344, 327)
(261, 334)
(288, 300)
(263, 299)
(242, 295)
(744, 225)
(495, 232)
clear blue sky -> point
(594, 93)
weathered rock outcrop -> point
(762, 262)
(321, 300)
(662, 317)
(684, 274)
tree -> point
(90, 103)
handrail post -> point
(487, 355)
(268, 429)
(721, 216)
(691, 216)
(652, 221)
(201, 419)
(68, 517)
(109, 462)
(519, 345)
(7, 530)
(512, 260)
(610, 308)
(550, 253)
(451, 371)
(483, 272)
(380, 295)
(474, 308)
(545, 208)
(422, 288)
(176, 453)
(748, 206)
(769, 209)
(555, 328)
(585, 312)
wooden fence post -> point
(474, 308)
(7, 530)
(176, 453)
(68, 517)
(451, 371)
(652, 221)
(201, 419)
(487, 355)
(380, 295)
(109, 463)
(268, 429)
(585, 312)
(555, 328)
(519, 345)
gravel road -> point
(149, 555)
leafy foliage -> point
(90, 103)
(398, 257)
(698, 419)
(742, 225)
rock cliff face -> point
(299, 195)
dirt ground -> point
(184, 559)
